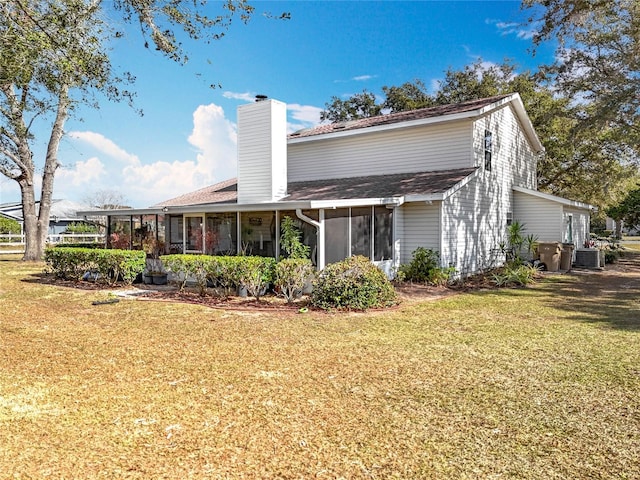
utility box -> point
(550, 253)
(588, 258)
(566, 257)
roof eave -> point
(556, 199)
(391, 126)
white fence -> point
(14, 242)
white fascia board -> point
(525, 121)
(431, 197)
(357, 202)
(234, 207)
(553, 198)
(122, 211)
(391, 126)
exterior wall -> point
(474, 223)
(542, 218)
(580, 225)
(415, 149)
(517, 157)
(420, 228)
(474, 219)
(262, 151)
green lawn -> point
(537, 383)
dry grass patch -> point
(530, 383)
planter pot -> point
(147, 279)
(160, 279)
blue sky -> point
(187, 136)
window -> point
(509, 218)
(383, 228)
(336, 225)
(488, 149)
(361, 231)
(366, 231)
(258, 233)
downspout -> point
(319, 232)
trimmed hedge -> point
(111, 265)
(291, 276)
(354, 283)
(253, 273)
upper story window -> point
(488, 149)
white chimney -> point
(262, 151)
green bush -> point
(425, 268)
(9, 225)
(354, 283)
(515, 274)
(188, 267)
(291, 275)
(111, 265)
(79, 227)
(253, 273)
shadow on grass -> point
(610, 297)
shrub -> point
(291, 275)
(9, 225)
(425, 267)
(255, 274)
(515, 274)
(354, 283)
(112, 265)
(78, 227)
(290, 242)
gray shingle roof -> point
(378, 186)
(222, 192)
(373, 186)
(398, 117)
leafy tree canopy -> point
(54, 55)
(598, 58)
(628, 210)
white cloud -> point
(82, 173)
(246, 96)
(302, 116)
(520, 30)
(362, 78)
(106, 146)
(214, 136)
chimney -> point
(262, 151)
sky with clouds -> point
(186, 137)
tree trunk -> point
(37, 226)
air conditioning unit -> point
(588, 258)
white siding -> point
(262, 151)
(415, 149)
(541, 217)
(474, 223)
(517, 157)
(580, 225)
(420, 228)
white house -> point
(449, 178)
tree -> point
(585, 162)
(360, 105)
(408, 96)
(54, 54)
(598, 63)
(627, 211)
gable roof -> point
(378, 186)
(441, 113)
(369, 187)
(398, 117)
(222, 192)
